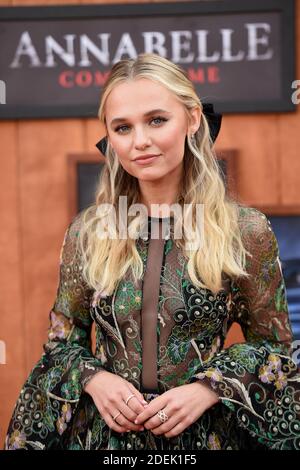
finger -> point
(151, 410)
(133, 405)
(179, 428)
(123, 425)
(156, 423)
(122, 421)
(159, 427)
(112, 424)
(128, 412)
(164, 428)
(138, 394)
(107, 417)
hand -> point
(110, 392)
(183, 405)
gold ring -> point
(130, 396)
(115, 417)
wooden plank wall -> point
(34, 209)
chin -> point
(153, 177)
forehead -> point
(138, 96)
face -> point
(137, 132)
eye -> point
(160, 118)
(117, 129)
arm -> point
(51, 393)
(257, 377)
(70, 320)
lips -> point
(145, 157)
(146, 161)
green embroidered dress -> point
(257, 381)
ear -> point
(195, 119)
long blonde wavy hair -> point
(105, 261)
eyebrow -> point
(148, 113)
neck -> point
(161, 192)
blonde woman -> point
(159, 377)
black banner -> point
(239, 55)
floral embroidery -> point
(60, 326)
(256, 381)
(213, 442)
(271, 372)
(66, 414)
(213, 374)
(17, 440)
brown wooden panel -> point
(34, 207)
(44, 216)
(11, 290)
(289, 131)
(43, 2)
(235, 335)
(70, 2)
(289, 134)
(130, 1)
(94, 131)
(256, 139)
(280, 209)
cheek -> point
(122, 148)
(174, 136)
(123, 151)
(173, 148)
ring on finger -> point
(162, 416)
(129, 398)
(115, 417)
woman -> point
(159, 378)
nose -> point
(141, 140)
